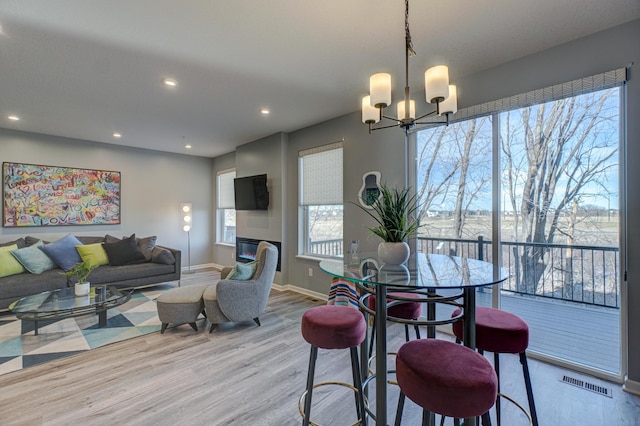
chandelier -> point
(438, 91)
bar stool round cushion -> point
(333, 327)
(404, 309)
(497, 331)
(446, 378)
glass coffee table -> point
(63, 303)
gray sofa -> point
(130, 276)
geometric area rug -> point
(21, 348)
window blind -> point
(321, 175)
(579, 86)
(226, 198)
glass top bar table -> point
(422, 272)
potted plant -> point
(396, 212)
(81, 272)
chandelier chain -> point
(407, 32)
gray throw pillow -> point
(146, 246)
(19, 242)
(124, 252)
(163, 256)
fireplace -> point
(246, 250)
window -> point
(321, 206)
(226, 207)
(532, 182)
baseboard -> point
(631, 386)
(303, 291)
(184, 269)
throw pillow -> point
(29, 241)
(243, 271)
(20, 242)
(163, 256)
(94, 254)
(124, 252)
(33, 259)
(63, 251)
(109, 239)
(8, 264)
(146, 246)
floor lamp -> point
(186, 227)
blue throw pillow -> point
(33, 259)
(243, 271)
(63, 251)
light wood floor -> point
(242, 374)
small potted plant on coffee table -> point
(81, 272)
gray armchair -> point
(234, 301)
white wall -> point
(154, 184)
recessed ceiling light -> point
(117, 135)
(13, 117)
(187, 146)
(170, 82)
(264, 111)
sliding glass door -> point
(559, 229)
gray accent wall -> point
(154, 184)
(384, 151)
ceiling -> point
(86, 69)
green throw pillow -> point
(94, 254)
(8, 264)
(243, 271)
(33, 259)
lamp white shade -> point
(402, 111)
(380, 90)
(186, 216)
(370, 114)
(450, 105)
(436, 83)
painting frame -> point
(36, 195)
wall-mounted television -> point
(251, 192)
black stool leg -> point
(496, 366)
(357, 383)
(406, 333)
(399, 409)
(307, 400)
(527, 382)
(428, 418)
(373, 338)
(417, 330)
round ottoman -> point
(180, 305)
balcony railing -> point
(578, 274)
(583, 274)
(326, 247)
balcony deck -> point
(583, 334)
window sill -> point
(225, 244)
(316, 258)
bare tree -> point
(552, 154)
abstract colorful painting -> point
(35, 195)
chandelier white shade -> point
(436, 83)
(438, 91)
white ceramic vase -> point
(393, 253)
(82, 289)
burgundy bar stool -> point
(501, 332)
(399, 309)
(444, 378)
(333, 327)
